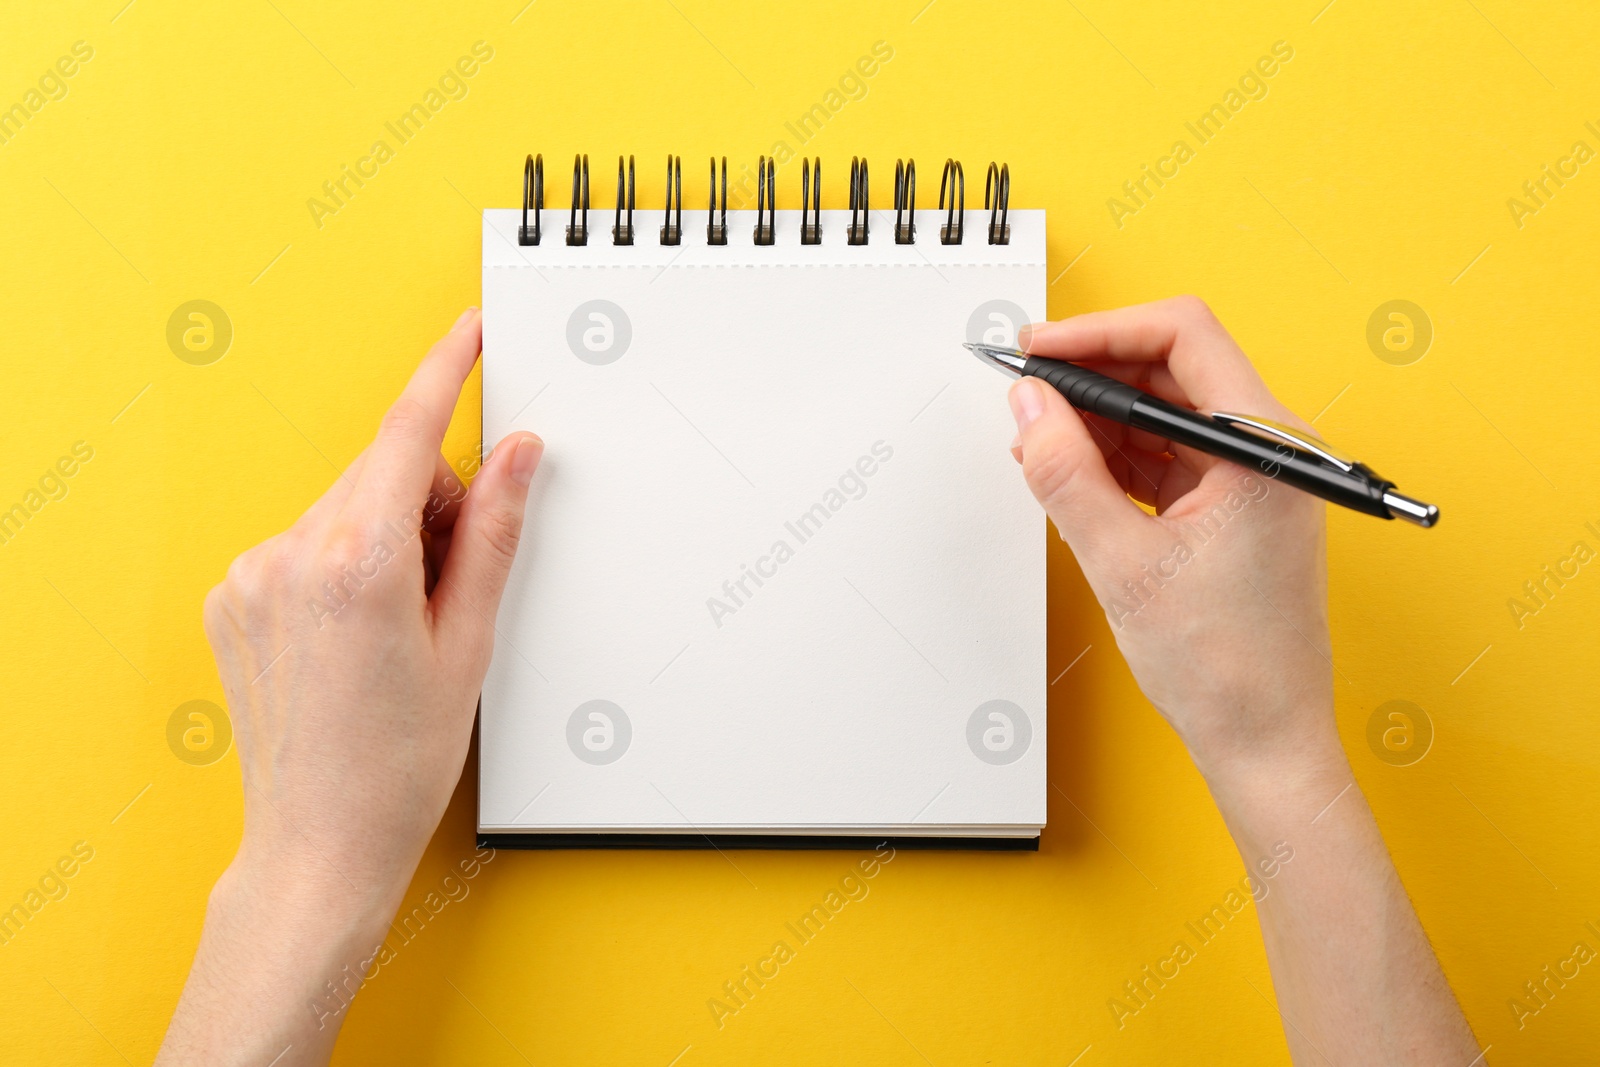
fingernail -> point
(1027, 403)
(1025, 337)
(525, 460)
(466, 317)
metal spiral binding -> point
(622, 231)
(999, 179)
(857, 234)
(717, 227)
(952, 202)
(532, 200)
(955, 219)
(672, 217)
(810, 206)
(766, 201)
(905, 202)
(578, 226)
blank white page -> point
(780, 573)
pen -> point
(1287, 455)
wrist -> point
(348, 873)
(1247, 742)
(1281, 792)
(285, 947)
(292, 882)
(310, 928)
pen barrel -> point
(1359, 488)
(1087, 390)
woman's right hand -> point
(1218, 601)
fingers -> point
(331, 501)
(1111, 435)
(1139, 376)
(1148, 475)
(1139, 333)
(1179, 478)
(1209, 370)
(1069, 476)
(445, 495)
(401, 461)
(484, 541)
(1137, 472)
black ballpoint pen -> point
(1279, 452)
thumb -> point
(1068, 475)
(484, 540)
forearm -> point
(280, 958)
(1356, 980)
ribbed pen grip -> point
(1086, 389)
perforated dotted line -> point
(734, 266)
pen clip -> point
(1305, 441)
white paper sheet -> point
(776, 525)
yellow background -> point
(178, 167)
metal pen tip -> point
(1007, 360)
(1413, 511)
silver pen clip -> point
(1303, 441)
(1398, 505)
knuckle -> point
(345, 544)
(405, 419)
(279, 563)
(214, 613)
(1192, 306)
(243, 579)
(250, 581)
(502, 530)
(1051, 471)
(449, 490)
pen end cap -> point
(1412, 511)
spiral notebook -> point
(781, 583)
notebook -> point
(780, 583)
